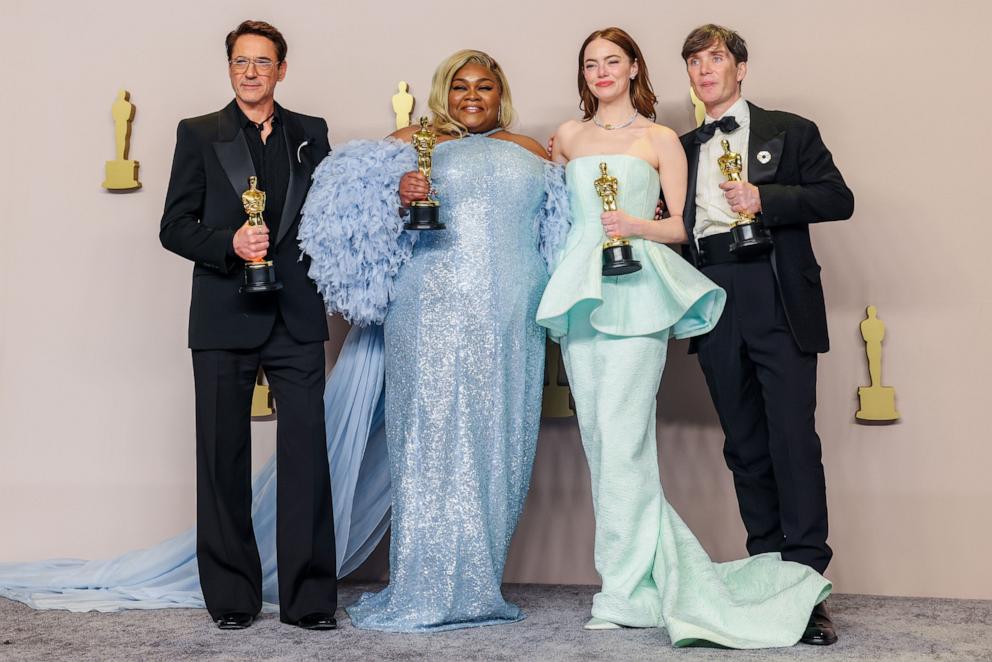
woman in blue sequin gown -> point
(464, 356)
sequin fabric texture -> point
(464, 373)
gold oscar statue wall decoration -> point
(699, 108)
(262, 404)
(878, 403)
(557, 401)
(121, 174)
(402, 105)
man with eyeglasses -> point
(232, 334)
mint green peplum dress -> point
(614, 334)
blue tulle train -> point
(166, 575)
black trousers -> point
(764, 390)
(226, 552)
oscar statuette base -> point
(424, 216)
(749, 239)
(618, 260)
(260, 277)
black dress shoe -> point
(234, 621)
(820, 629)
(317, 621)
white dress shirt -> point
(713, 215)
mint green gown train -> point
(614, 334)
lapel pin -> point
(764, 157)
(307, 142)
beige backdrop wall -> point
(96, 405)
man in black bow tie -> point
(233, 333)
(760, 359)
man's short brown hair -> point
(707, 35)
(262, 29)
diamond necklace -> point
(613, 127)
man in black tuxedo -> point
(232, 334)
(760, 359)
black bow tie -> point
(725, 124)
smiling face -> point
(607, 70)
(474, 98)
(253, 87)
(716, 77)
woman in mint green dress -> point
(614, 332)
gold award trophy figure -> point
(618, 256)
(402, 105)
(424, 213)
(260, 274)
(121, 174)
(878, 403)
(749, 236)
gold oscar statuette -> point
(618, 256)
(878, 403)
(260, 274)
(424, 213)
(749, 236)
(121, 174)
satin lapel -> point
(232, 151)
(767, 142)
(692, 157)
(292, 137)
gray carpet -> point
(871, 628)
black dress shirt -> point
(271, 161)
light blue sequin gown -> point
(464, 374)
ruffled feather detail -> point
(351, 229)
(554, 219)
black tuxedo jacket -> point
(203, 210)
(799, 185)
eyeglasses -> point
(263, 65)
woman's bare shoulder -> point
(662, 134)
(569, 128)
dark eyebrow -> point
(465, 80)
(605, 57)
